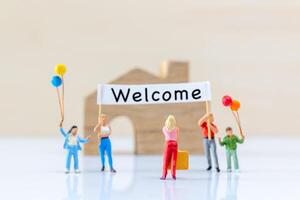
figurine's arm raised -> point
(62, 131)
(222, 143)
(203, 119)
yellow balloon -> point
(60, 69)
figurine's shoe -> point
(218, 169)
(113, 170)
(67, 171)
(163, 178)
(209, 168)
(77, 171)
(103, 169)
(236, 170)
(229, 170)
(174, 177)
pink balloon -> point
(227, 100)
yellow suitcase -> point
(182, 160)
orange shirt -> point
(204, 130)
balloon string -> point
(63, 97)
(60, 106)
(240, 126)
(237, 119)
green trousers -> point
(231, 154)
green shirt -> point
(230, 142)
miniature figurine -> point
(72, 145)
(209, 143)
(230, 141)
(105, 144)
(170, 132)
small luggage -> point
(182, 162)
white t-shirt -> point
(72, 140)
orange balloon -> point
(235, 106)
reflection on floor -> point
(34, 169)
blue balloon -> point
(56, 81)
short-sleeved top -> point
(170, 135)
(204, 130)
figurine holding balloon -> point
(234, 106)
(57, 81)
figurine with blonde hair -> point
(104, 131)
(170, 131)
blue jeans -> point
(210, 148)
(105, 147)
(72, 152)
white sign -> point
(110, 94)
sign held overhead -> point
(110, 94)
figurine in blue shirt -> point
(72, 145)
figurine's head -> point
(73, 130)
(211, 117)
(103, 119)
(170, 123)
(229, 131)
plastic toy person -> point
(170, 132)
(104, 131)
(72, 145)
(209, 144)
(230, 142)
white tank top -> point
(105, 130)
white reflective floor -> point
(34, 170)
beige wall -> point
(249, 49)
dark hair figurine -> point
(74, 126)
(230, 141)
(72, 145)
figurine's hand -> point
(243, 137)
(95, 129)
(219, 138)
(88, 137)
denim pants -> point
(105, 147)
(232, 154)
(72, 152)
(210, 148)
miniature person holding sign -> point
(105, 144)
(72, 145)
(208, 131)
(170, 132)
(230, 142)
